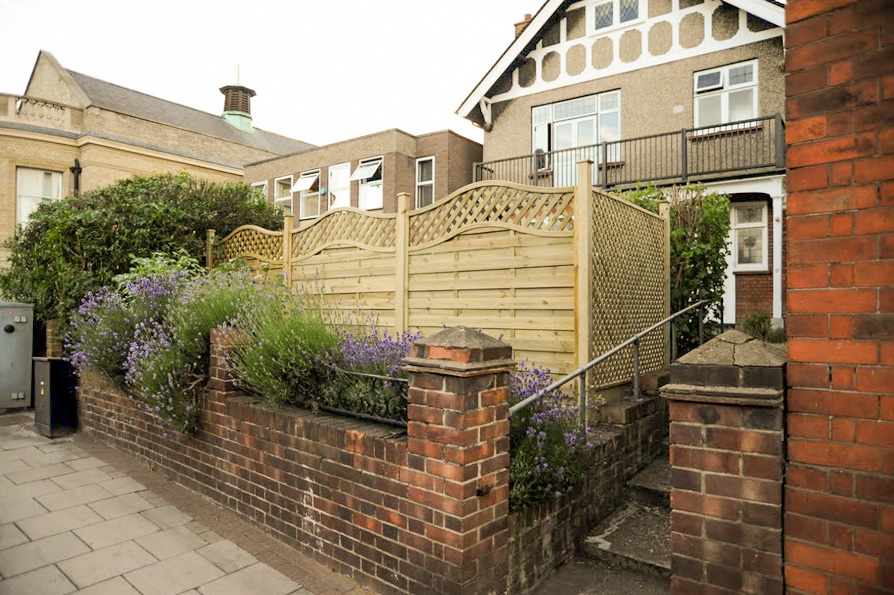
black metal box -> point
(55, 398)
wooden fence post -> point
(209, 249)
(287, 249)
(664, 211)
(583, 230)
(402, 262)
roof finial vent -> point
(237, 104)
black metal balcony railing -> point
(747, 147)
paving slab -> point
(35, 489)
(11, 536)
(106, 563)
(51, 523)
(115, 531)
(121, 485)
(174, 575)
(61, 499)
(85, 463)
(76, 479)
(171, 542)
(227, 556)
(167, 516)
(43, 581)
(36, 473)
(113, 586)
(17, 510)
(257, 578)
(49, 550)
(119, 506)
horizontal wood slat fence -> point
(510, 260)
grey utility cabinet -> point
(16, 343)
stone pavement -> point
(77, 516)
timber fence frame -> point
(561, 274)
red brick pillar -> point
(221, 383)
(458, 456)
(839, 513)
(726, 455)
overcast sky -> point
(323, 71)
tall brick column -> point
(839, 515)
(458, 457)
(726, 455)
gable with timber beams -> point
(569, 42)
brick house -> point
(71, 132)
(367, 173)
(662, 91)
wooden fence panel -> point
(499, 257)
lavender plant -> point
(282, 349)
(548, 448)
(368, 350)
(106, 325)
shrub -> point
(548, 448)
(109, 322)
(758, 325)
(281, 349)
(367, 350)
(699, 223)
(77, 245)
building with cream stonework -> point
(661, 91)
(69, 132)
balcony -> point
(739, 149)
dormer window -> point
(605, 15)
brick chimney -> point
(519, 27)
(237, 106)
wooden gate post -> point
(402, 263)
(209, 249)
(288, 221)
(583, 230)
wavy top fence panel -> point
(253, 244)
(488, 204)
(345, 227)
(493, 255)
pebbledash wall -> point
(421, 511)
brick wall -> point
(423, 512)
(839, 518)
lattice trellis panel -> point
(628, 289)
(345, 226)
(251, 243)
(503, 205)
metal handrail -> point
(581, 372)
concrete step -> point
(635, 536)
(586, 576)
(651, 486)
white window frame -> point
(56, 179)
(310, 193)
(367, 185)
(735, 226)
(283, 199)
(614, 151)
(642, 8)
(346, 189)
(425, 183)
(262, 186)
(724, 89)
